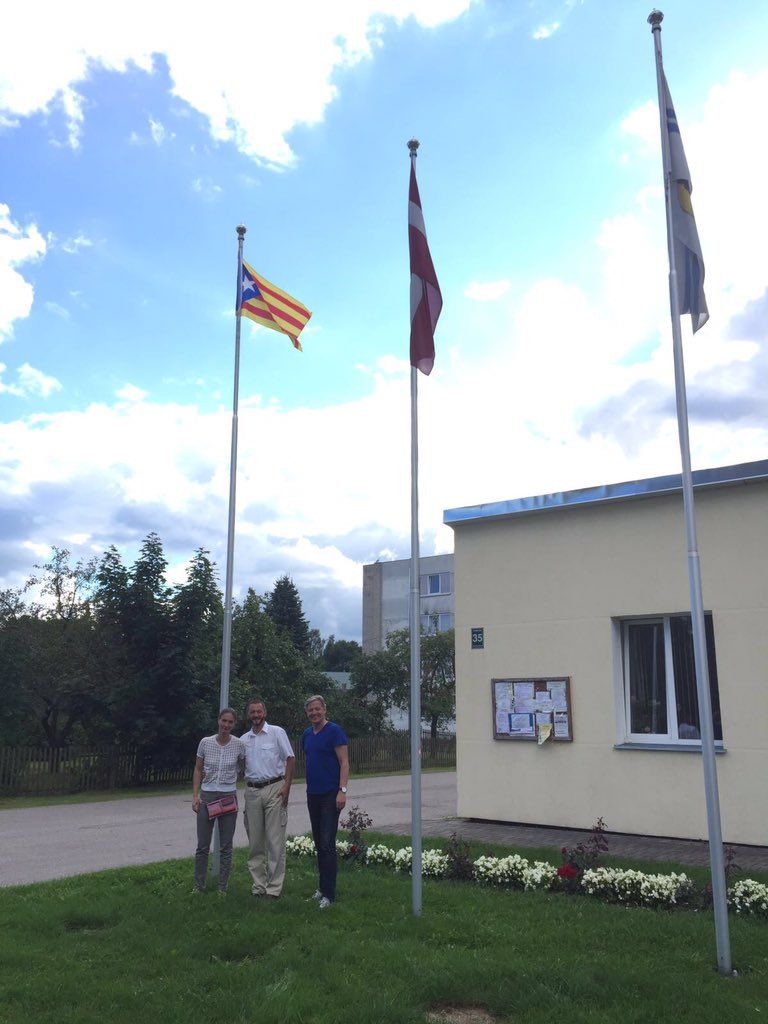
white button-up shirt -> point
(266, 752)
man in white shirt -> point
(269, 764)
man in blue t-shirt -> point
(326, 750)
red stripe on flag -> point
(297, 306)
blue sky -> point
(130, 151)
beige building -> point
(590, 587)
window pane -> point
(445, 583)
(688, 726)
(647, 677)
(434, 583)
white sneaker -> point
(316, 895)
(325, 903)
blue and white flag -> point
(689, 263)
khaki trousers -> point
(266, 821)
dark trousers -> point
(205, 826)
(325, 823)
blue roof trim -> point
(717, 477)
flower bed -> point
(613, 885)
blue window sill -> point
(676, 748)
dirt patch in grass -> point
(460, 1015)
(87, 923)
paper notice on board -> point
(543, 718)
(544, 732)
(528, 706)
(503, 703)
(544, 703)
(561, 724)
(521, 725)
(523, 691)
(502, 722)
(558, 695)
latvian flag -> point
(426, 300)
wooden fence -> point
(29, 771)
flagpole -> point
(716, 860)
(415, 640)
(226, 640)
(226, 643)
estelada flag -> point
(268, 305)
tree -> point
(379, 682)
(266, 663)
(284, 608)
(316, 645)
(147, 624)
(438, 679)
(193, 659)
(17, 725)
(386, 674)
(57, 668)
(340, 655)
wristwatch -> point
(343, 789)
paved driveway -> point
(38, 843)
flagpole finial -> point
(413, 145)
(655, 19)
(241, 231)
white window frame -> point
(444, 580)
(430, 622)
(652, 739)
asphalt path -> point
(40, 843)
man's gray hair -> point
(311, 700)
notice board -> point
(520, 706)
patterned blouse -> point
(220, 764)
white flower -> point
(380, 854)
(301, 846)
(506, 871)
(749, 897)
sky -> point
(134, 141)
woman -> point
(219, 758)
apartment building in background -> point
(386, 598)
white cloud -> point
(57, 310)
(210, 59)
(29, 382)
(17, 246)
(575, 387)
(545, 31)
(209, 191)
(74, 245)
(643, 123)
(130, 393)
(157, 131)
(486, 291)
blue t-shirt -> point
(323, 770)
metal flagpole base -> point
(216, 866)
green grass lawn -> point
(135, 945)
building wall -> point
(547, 589)
(386, 597)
